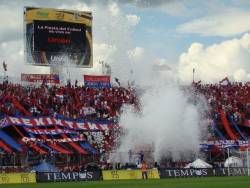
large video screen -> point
(58, 37)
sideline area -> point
(208, 182)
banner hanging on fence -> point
(60, 140)
(51, 121)
(45, 78)
(202, 172)
(11, 178)
(68, 176)
(49, 131)
(222, 144)
(128, 174)
(186, 172)
(97, 81)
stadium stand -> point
(96, 107)
(230, 107)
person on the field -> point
(144, 169)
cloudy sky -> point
(211, 36)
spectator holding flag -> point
(118, 82)
(4, 66)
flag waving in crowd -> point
(4, 66)
(225, 81)
(117, 81)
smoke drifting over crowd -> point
(169, 123)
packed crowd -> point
(77, 102)
(70, 102)
(233, 98)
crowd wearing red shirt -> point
(79, 102)
(75, 102)
(233, 98)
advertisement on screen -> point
(58, 37)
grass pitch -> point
(211, 182)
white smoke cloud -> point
(136, 54)
(168, 120)
(133, 19)
(229, 58)
(112, 30)
(104, 52)
(168, 123)
(162, 64)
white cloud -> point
(136, 54)
(229, 58)
(161, 64)
(9, 29)
(103, 52)
(227, 23)
(175, 8)
(13, 54)
(114, 9)
(240, 74)
(133, 19)
(77, 6)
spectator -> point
(144, 169)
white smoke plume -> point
(168, 123)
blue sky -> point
(157, 28)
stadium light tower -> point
(248, 161)
(193, 74)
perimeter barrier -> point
(12, 178)
(88, 175)
(128, 174)
(202, 172)
(68, 176)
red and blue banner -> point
(60, 140)
(46, 78)
(97, 81)
(35, 122)
(52, 131)
(223, 144)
